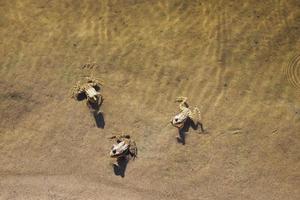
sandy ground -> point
(236, 60)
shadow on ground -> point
(120, 168)
(187, 125)
(99, 119)
(97, 114)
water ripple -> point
(292, 71)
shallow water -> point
(238, 61)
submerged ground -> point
(238, 61)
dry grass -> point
(228, 57)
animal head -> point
(92, 93)
(119, 149)
(179, 120)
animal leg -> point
(99, 101)
(76, 90)
(114, 162)
(195, 116)
(133, 151)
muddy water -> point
(238, 61)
